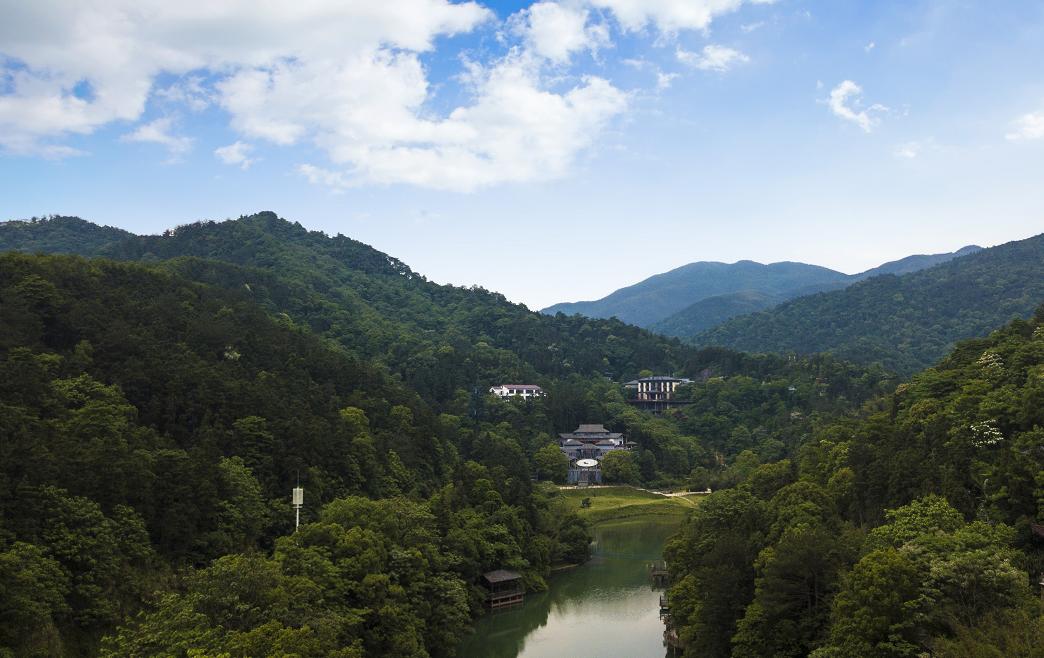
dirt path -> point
(683, 495)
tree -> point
(242, 516)
(34, 587)
(551, 463)
(797, 578)
(618, 467)
(928, 573)
(877, 611)
(714, 554)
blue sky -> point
(552, 152)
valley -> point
(530, 329)
(221, 364)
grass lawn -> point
(611, 503)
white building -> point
(524, 391)
(655, 394)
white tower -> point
(298, 502)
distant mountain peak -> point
(694, 297)
(664, 294)
(905, 320)
(916, 262)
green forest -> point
(161, 395)
(903, 323)
(908, 531)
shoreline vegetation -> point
(853, 513)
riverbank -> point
(604, 608)
(616, 503)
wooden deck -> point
(659, 574)
(500, 600)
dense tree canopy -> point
(156, 409)
(905, 323)
(150, 430)
(903, 531)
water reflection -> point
(604, 609)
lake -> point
(603, 609)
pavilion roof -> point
(501, 575)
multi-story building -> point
(524, 391)
(586, 444)
(655, 394)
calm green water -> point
(603, 609)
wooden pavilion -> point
(505, 588)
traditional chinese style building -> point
(505, 588)
(586, 446)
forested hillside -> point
(907, 532)
(695, 297)
(660, 296)
(155, 414)
(916, 263)
(150, 425)
(905, 323)
(58, 235)
(712, 311)
(441, 340)
(708, 313)
(156, 410)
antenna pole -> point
(297, 499)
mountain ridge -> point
(664, 294)
(377, 307)
(903, 322)
(664, 302)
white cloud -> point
(712, 58)
(158, 131)
(908, 150)
(671, 16)
(236, 154)
(751, 27)
(1028, 126)
(189, 91)
(72, 68)
(346, 77)
(515, 131)
(870, 46)
(318, 176)
(556, 30)
(845, 101)
(664, 80)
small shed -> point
(505, 588)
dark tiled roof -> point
(590, 432)
(501, 575)
(591, 429)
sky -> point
(552, 151)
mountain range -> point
(904, 323)
(160, 398)
(903, 315)
(693, 298)
(437, 339)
